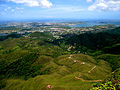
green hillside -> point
(77, 72)
(112, 82)
(75, 62)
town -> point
(56, 29)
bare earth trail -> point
(87, 80)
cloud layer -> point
(102, 5)
(33, 3)
(105, 5)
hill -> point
(112, 82)
(73, 62)
(65, 72)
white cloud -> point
(89, 0)
(105, 5)
(33, 3)
(13, 10)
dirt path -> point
(87, 80)
(92, 69)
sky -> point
(59, 9)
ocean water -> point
(3, 26)
(91, 24)
(84, 23)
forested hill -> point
(93, 41)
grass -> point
(40, 82)
(64, 74)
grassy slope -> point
(65, 74)
(76, 72)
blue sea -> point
(3, 26)
(91, 24)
